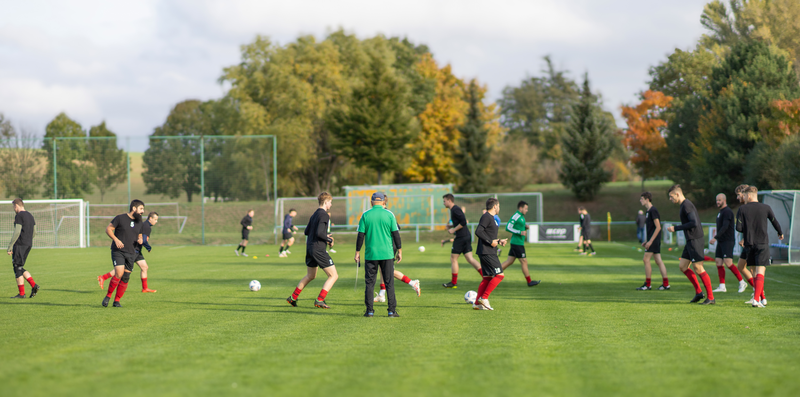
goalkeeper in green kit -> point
(517, 227)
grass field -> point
(583, 331)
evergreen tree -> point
(587, 142)
(473, 158)
(376, 126)
(74, 175)
(109, 161)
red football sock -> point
(405, 280)
(107, 276)
(322, 295)
(492, 285)
(144, 283)
(693, 279)
(296, 293)
(735, 271)
(30, 281)
(759, 287)
(752, 282)
(528, 278)
(120, 291)
(483, 286)
(721, 272)
(454, 280)
(383, 287)
(707, 284)
(647, 282)
(21, 289)
(665, 282)
(112, 286)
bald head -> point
(722, 200)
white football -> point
(255, 285)
(470, 297)
(421, 249)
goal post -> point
(59, 223)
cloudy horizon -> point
(130, 63)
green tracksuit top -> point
(377, 224)
(516, 225)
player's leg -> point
(648, 272)
(143, 267)
(129, 261)
(589, 245)
(728, 262)
(758, 296)
(387, 271)
(704, 278)
(414, 284)
(370, 275)
(244, 246)
(453, 271)
(683, 264)
(19, 276)
(382, 293)
(101, 279)
(509, 261)
(663, 269)
(330, 271)
(745, 272)
(472, 261)
(579, 248)
(492, 276)
(721, 272)
(523, 262)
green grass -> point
(583, 331)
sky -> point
(129, 62)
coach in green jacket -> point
(377, 228)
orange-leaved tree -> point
(644, 134)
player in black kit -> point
(125, 231)
(693, 251)
(743, 198)
(586, 228)
(462, 244)
(247, 226)
(726, 240)
(652, 244)
(753, 226)
(20, 246)
(491, 268)
(316, 253)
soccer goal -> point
(786, 206)
(59, 223)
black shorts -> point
(655, 248)
(490, 265)
(693, 251)
(585, 234)
(319, 259)
(20, 254)
(725, 249)
(743, 255)
(119, 258)
(245, 234)
(517, 251)
(758, 255)
(139, 256)
(462, 245)
(287, 235)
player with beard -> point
(462, 244)
(693, 251)
(491, 268)
(652, 244)
(316, 253)
(754, 228)
(20, 246)
(725, 239)
(125, 231)
(517, 227)
(742, 265)
(151, 221)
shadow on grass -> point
(70, 290)
(46, 304)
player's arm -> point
(110, 233)
(14, 238)
(146, 242)
(397, 243)
(360, 239)
(510, 227)
(481, 233)
(726, 224)
(775, 224)
(739, 222)
(322, 232)
(688, 225)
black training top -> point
(641, 220)
(586, 223)
(317, 231)
(725, 225)
(25, 219)
(126, 230)
(690, 222)
(287, 223)
(486, 232)
(146, 229)
(650, 223)
(458, 218)
(246, 221)
(752, 223)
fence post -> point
(275, 168)
(417, 232)
(202, 189)
(55, 171)
(432, 218)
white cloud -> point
(26, 97)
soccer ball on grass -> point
(470, 297)
(255, 285)
(421, 249)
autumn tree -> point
(644, 136)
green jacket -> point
(377, 224)
(516, 225)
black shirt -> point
(126, 230)
(725, 225)
(486, 232)
(641, 220)
(146, 229)
(458, 218)
(690, 222)
(25, 219)
(317, 231)
(650, 223)
(752, 223)
(586, 222)
(246, 221)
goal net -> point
(59, 223)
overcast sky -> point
(129, 62)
